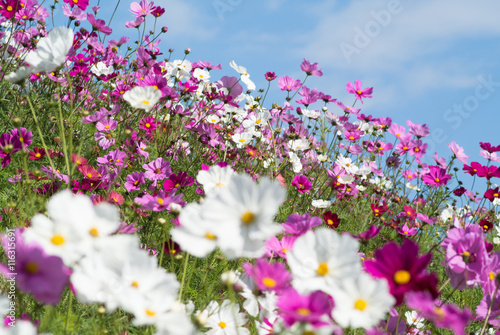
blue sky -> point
(422, 57)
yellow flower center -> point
(322, 269)
(269, 282)
(148, 125)
(145, 102)
(242, 140)
(31, 267)
(303, 311)
(9, 8)
(107, 127)
(37, 155)
(210, 236)
(248, 218)
(94, 232)
(360, 304)
(466, 253)
(402, 277)
(436, 180)
(222, 324)
(284, 250)
(492, 275)
(135, 284)
(160, 201)
(57, 240)
(150, 312)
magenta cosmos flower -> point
(403, 269)
(81, 4)
(358, 91)
(37, 273)
(310, 69)
(294, 307)
(297, 224)
(302, 183)
(268, 276)
(436, 176)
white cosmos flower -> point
(101, 69)
(296, 163)
(15, 77)
(299, 145)
(51, 50)
(247, 209)
(245, 77)
(74, 226)
(321, 259)
(201, 74)
(227, 321)
(213, 119)
(414, 320)
(361, 302)
(242, 139)
(346, 164)
(142, 97)
(312, 114)
(215, 177)
(195, 235)
(321, 203)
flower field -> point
(144, 192)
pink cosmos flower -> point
(81, 4)
(44, 276)
(279, 247)
(143, 8)
(357, 91)
(294, 307)
(418, 130)
(458, 152)
(157, 170)
(436, 176)
(99, 25)
(491, 156)
(159, 202)
(446, 316)
(268, 276)
(287, 83)
(302, 183)
(297, 224)
(134, 180)
(405, 230)
(310, 69)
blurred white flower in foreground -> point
(51, 50)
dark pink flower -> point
(270, 76)
(403, 269)
(302, 183)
